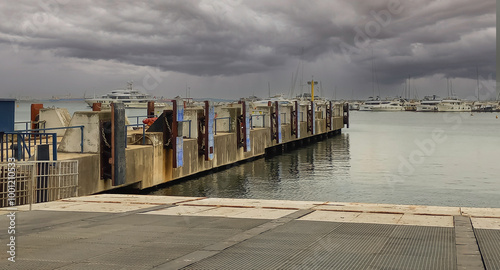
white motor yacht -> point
(370, 104)
(131, 98)
(453, 104)
(429, 104)
(389, 105)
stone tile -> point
(425, 220)
(390, 208)
(332, 216)
(481, 212)
(283, 204)
(378, 218)
(486, 223)
(139, 199)
(264, 213)
(180, 210)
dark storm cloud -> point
(210, 38)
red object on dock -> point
(35, 111)
(96, 107)
(149, 121)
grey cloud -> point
(228, 38)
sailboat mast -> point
(477, 79)
(269, 88)
(373, 78)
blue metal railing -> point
(35, 131)
(221, 118)
(143, 132)
(20, 144)
(27, 124)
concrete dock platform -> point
(167, 232)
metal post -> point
(151, 109)
(81, 136)
(33, 178)
(245, 127)
(19, 147)
(1, 146)
(54, 145)
(143, 134)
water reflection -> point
(359, 165)
(300, 174)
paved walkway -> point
(158, 232)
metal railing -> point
(221, 118)
(28, 123)
(38, 181)
(35, 131)
(20, 145)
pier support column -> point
(276, 123)
(329, 116)
(346, 114)
(177, 140)
(295, 119)
(311, 119)
(118, 142)
(209, 130)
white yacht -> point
(282, 100)
(453, 104)
(354, 106)
(429, 104)
(370, 104)
(389, 105)
(131, 98)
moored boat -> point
(453, 104)
(130, 97)
(429, 104)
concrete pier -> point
(152, 158)
(166, 232)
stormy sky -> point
(235, 48)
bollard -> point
(35, 114)
(96, 107)
(151, 109)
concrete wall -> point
(91, 132)
(150, 165)
(191, 114)
(222, 124)
(55, 118)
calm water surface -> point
(449, 159)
